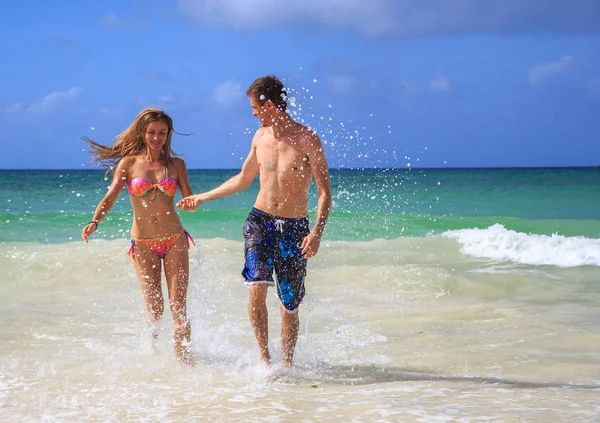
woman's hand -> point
(89, 229)
(190, 203)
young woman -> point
(143, 161)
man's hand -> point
(190, 203)
(310, 245)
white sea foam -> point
(501, 244)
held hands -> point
(190, 203)
(310, 245)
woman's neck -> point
(153, 156)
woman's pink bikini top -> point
(139, 187)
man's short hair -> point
(268, 88)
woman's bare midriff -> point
(156, 220)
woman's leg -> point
(148, 269)
(177, 273)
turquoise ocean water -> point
(438, 295)
(51, 206)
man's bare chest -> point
(281, 156)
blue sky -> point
(395, 83)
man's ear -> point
(269, 104)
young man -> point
(287, 156)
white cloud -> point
(48, 104)
(342, 83)
(549, 70)
(227, 92)
(401, 17)
(440, 84)
(370, 17)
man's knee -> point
(289, 315)
(258, 292)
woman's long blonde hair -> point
(131, 141)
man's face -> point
(263, 112)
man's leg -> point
(290, 323)
(259, 318)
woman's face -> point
(156, 135)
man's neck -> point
(282, 125)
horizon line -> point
(88, 169)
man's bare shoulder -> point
(261, 132)
(308, 137)
(259, 135)
(300, 132)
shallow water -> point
(400, 330)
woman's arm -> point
(183, 181)
(108, 201)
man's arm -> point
(320, 169)
(235, 184)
